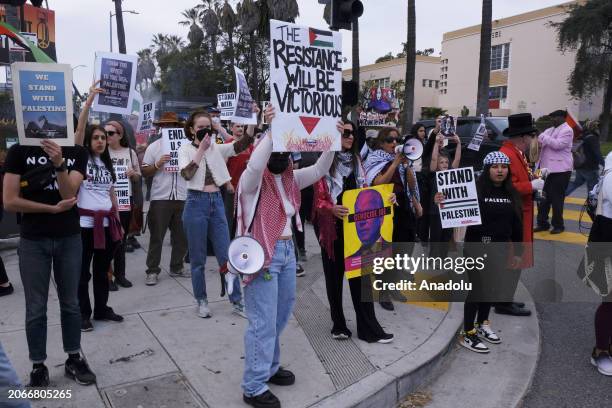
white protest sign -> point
(147, 110)
(305, 87)
(32, 37)
(478, 136)
(243, 108)
(117, 75)
(226, 102)
(460, 207)
(172, 139)
(122, 188)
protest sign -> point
(32, 37)
(226, 102)
(147, 112)
(243, 105)
(122, 187)
(264, 106)
(117, 75)
(305, 87)
(368, 229)
(478, 136)
(460, 207)
(172, 139)
(43, 102)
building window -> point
(437, 83)
(424, 83)
(498, 92)
(382, 83)
(500, 56)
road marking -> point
(567, 237)
(573, 215)
(575, 200)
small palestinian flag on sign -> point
(321, 38)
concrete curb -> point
(389, 386)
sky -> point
(82, 26)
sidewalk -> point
(163, 354)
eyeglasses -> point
(347, 133)
(391, 139)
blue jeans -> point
(203, 216)
(268, 305)
(9, 381)
(589, 177)
(35, 261)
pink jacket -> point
(556, 153)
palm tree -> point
(249, 16)
(210, 22)
(195, 36)
(228, 21)
(484, 68)
(410, 66)
(146, 67)
(284, 10)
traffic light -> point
(19, 3)
(344, 12)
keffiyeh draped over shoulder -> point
(376, 162)
(345, 164)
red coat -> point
(521, 181)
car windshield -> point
(500, 124)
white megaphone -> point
(245, 256)
(412, 149)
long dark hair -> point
(354, 150)
(105, 155)
(484, 186)
(414, 130)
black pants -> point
(475, 311)
(119, 259)
(3, 277)
(439, 238)
(425, 194)
(554, 190)
(101, 262)
(368, 328)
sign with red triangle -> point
(309, 123)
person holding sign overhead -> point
(127, 171)
(202, 163)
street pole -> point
(120, 28)
(110, 31)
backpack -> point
(578, 154)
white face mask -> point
(216, 120)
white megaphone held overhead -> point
(245, 256)
(412, 149)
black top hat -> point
(520, 124)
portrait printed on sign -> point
(117, 75)
(368, 229)
(305, 87)
(43, 103)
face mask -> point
(201, 134)
(278, 163)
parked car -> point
(466, 128)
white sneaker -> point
(603, 362)
(239, 309)
(151, 279)
(470, 341)
(486, 333)
(203, 310)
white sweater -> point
(215, 157)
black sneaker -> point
(541, 228)
(385, 339)
(112, 286)
(79, 371)
(6, 290)
(264, 400)
(342, 334)
(556, 231)
(39, 377)
(123, 282)
(282, 377)
(299, 270)
(109, 314)
(387, 305)
(86, 325)
(471, 341)
(134, 242)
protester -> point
(520, 134)
(202, 164)
(384, 166)
(596, 273)
(122, 155)
(556, 156)
(268, 193)
(346, 173)
(500, 212)
(99, 219)
(368, 145)
(588, 172)
(439, 238)
(50, 239)
(419, 133)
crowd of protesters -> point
(230, 183)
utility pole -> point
(120, 29)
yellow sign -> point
(368, 229)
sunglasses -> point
(391, 139)
(112, 133)
(347, 133)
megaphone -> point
(412, 149)
(245, 256)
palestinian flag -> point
(13, 34)
(321, 38)
(574, 124)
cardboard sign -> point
(226, 102)
(43, 102)
(460, 207)
(305, 87)
(243, 108)
(117, 75)
(172, 139)
(368, 229)
(122, 188)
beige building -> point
(427, 78)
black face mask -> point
(201, 134)
(278, 163)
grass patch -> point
(606, 147)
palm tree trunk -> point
(604, 126)
(355, 78)
(484, 69)
(410, 66)
(120, 29)
(253, 58)
(231, 47)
